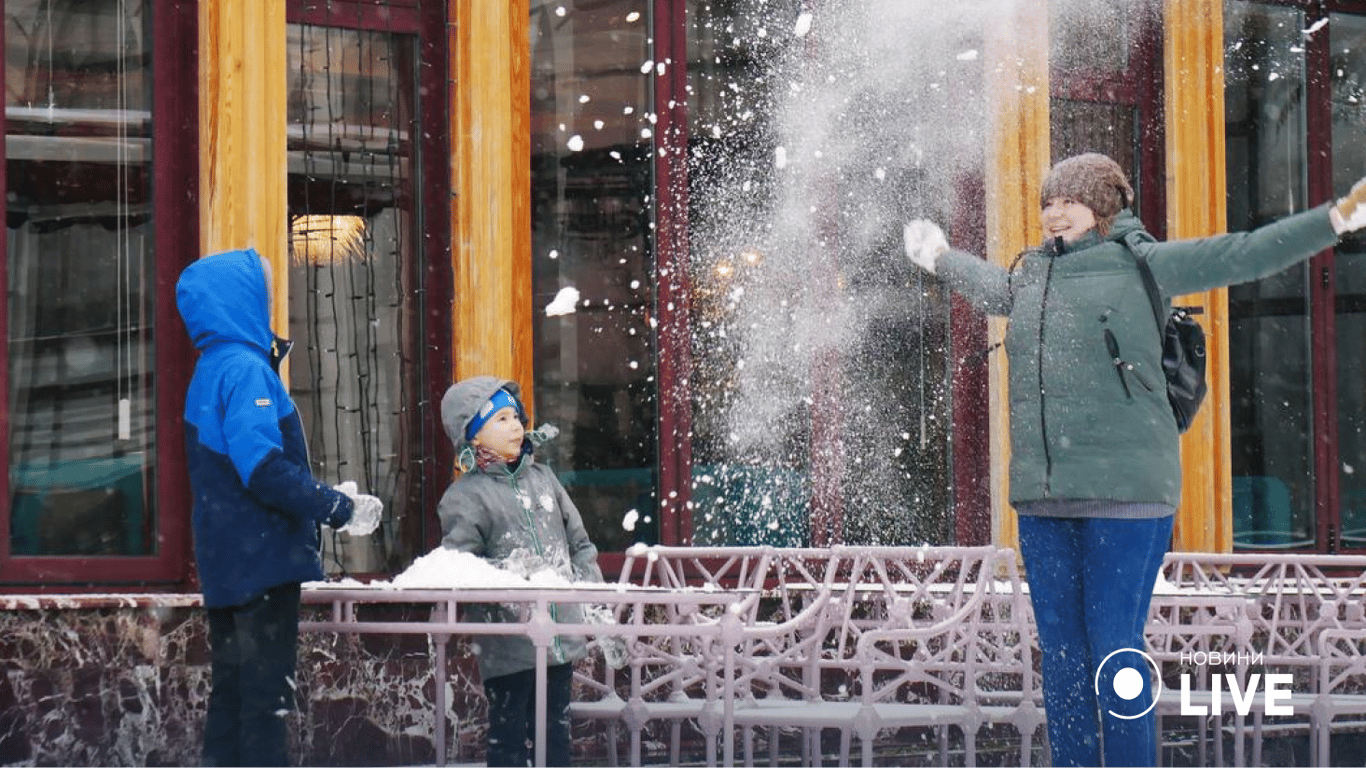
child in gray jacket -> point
(515, 513)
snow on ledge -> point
(448, 569)
(68, 602)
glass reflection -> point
(592, 131)
(1347, 70)
(78, 99)
(1269, 342)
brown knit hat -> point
(1093, 180)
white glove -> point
(1349, 214)
(365, 513)
(614, 649)
(924, 242)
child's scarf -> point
(486, 457)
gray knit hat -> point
(1093, 180)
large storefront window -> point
(1269, 320)
(353, 303)
(1347, 70)
(1294, 103)
(821, 358)
(592, 138)
(80, 278)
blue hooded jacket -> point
(257, 506)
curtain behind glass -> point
(1269, 331)
(78, 109)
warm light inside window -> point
(323, 239)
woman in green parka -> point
(1095, 471)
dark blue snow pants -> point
(512, 716)
(253, 651)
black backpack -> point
(1183, 349)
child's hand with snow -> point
(614, 649)
(524, 562)
(366, 510)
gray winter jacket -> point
(1080, 427)
(510, 516)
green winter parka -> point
(1080, 426)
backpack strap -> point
(1149, 284)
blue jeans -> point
(1091, 581)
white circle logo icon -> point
(1128, 682)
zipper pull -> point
(1113, 346)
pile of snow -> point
(448, 569)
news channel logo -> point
(1128, 683)
(1240, 691)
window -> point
(1347, 76)
(1293, 113)
(593, 129)
(1106, 98)
(700, 336)
(820, 357)
(357, 311)
(92, 224)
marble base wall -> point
(124, 680)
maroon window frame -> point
(673, 292)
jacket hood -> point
(464, 398)
(1125, 223)
(223, 298)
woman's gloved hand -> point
(924, 242)
(1349, 214)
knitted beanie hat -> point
(1093, 180)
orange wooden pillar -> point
(1017, 152)
(1193, 56)
(244, 196)
(491, 188)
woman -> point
(1095, 470)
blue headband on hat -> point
(500, 400)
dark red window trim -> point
(672, 284)
(970, 403)
(435, 274)
(374, 15)
(1322, 317)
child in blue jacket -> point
(256, 506)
